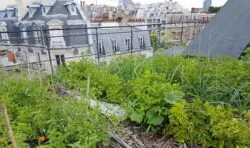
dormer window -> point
(30, 12)
(10, 12)
(71, 7)
(43, 10)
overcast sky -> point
(185, 3)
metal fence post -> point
(131, 40)
(48, 48)
(159, 37)
(97, 45)
(181, 31)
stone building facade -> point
(61, 32)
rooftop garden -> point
(193, 101)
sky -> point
(185, 3)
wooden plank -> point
(7, 121)
(118, 140)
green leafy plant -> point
(150, 96)
(36, 111)
(103, 85)
(202, 123)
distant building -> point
(61, 31)
(198, 10)
(171, 18)
(117, 16)
(207, 4)
(92, 10)
(21, 4)
(124, 4)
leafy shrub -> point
(202, 123)
(35, 111)
(103, 85)
(150, 96)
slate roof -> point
(75, 37)
(10, 22)
(72, 37)
(58, 8)
(227, 34)
(106, 35)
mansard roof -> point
(120, 34)
(58, 9)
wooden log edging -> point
(118, 140)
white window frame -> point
(141, 42)
(44, 11)
(4, 36)
(115, 45)
(101, 48)
(128, 43)
(73, 9)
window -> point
(60, 59)
(72, 8)
(37, 34)
(141, 42)
(128, 44)
(101, 49)
(115, 46)
(25, 56)
(39, 59)
(75, 52)
(30, 12)
(4, 36)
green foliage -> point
(147, 88)
(159, 43)
(246, 55)
(202, 123)
(150, 96)
(214, 9)
(154, 41)
(35, 111)
(103, 85)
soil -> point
(132, 136)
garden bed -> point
(168, 102)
